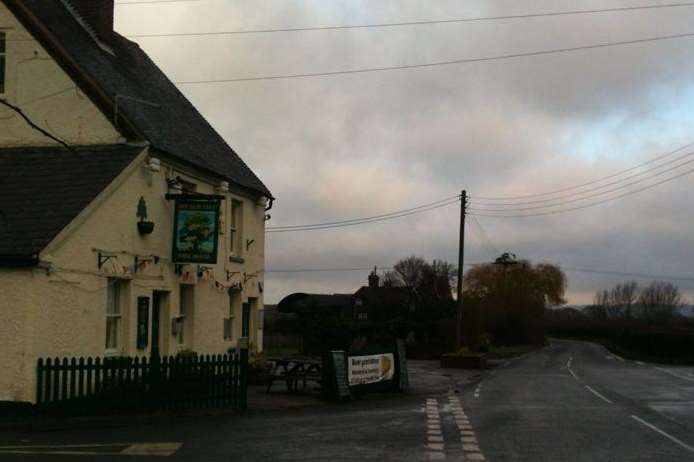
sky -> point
(346, 146)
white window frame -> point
(236, 228)
(114, 315)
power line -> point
(373, 219)
(439, 63)
(598, 194)
(406, 23)
(587, 205)
(153, 2)
(628, 274)
(565, 268)
(598, 180)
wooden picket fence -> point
(125, 384)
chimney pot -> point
(373, 279)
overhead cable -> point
(371, 219)
(582, 185)
(439, 63)
(552, 212)
(405, 23)
(582, 198)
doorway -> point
(245, 320)
(158, 313)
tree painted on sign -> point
(196, 229)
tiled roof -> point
(43, 189)
(146, 97)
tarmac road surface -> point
(570, 401)
(574, 401)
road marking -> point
(640, 363)
(131, 449)
(435, 441)
(152, 449)
(618, 358)
(602, 397)
(609, 357)
(675, 374)
(574, 374)
(666, 435)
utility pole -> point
(461, 258)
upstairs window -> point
(236, 228)
(113, 316)
(3, 54)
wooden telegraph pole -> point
(461, 258)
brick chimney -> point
(98, 14)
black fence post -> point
(243, 374)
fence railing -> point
(83, 385)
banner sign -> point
(370, 369)
(196, 232)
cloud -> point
(346, 146)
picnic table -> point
(295, 370)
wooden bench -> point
(294, 371)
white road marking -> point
(609, 357)
(599, 395)
(131, 449)
(574, 374)
(471, 448)
(467, 433)
(436, 446)
(675, 374)
(469, 439)
(640, 363)
(666, 435)
(618, 358)
(152, 449)
(435, 439)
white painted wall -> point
(46, 94)
(62, 312)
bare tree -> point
(622, 299)
(392, 279)
(411, 271)
(661, 301)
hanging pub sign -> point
(196, 229)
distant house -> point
(372, 303)
(375, 303)
(128, 226)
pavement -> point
(570, 401)
(277, 427)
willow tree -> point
(507, 300)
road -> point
(570, 401)
(574, 401)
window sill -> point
(235, 259)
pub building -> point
(128, 226)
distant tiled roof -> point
(171, 124)
(384, 295)
(301, 302)
(43, 189)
